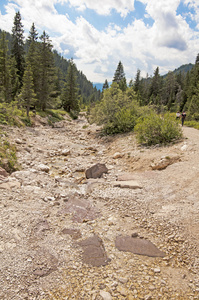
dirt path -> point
(58, 230)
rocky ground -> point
(131, 234)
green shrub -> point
(193, 124)
(154, 129)
(8, 159)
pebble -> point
(105, 295)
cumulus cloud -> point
(168, 42)
(123, 7)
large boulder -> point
(96, 171)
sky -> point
(143, 34)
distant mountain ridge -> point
(182, 69)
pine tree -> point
(155, 88)
(28, 96)
(46, 71)
(33, 34)
(18, 46)
(191, 84)
(14, 78)
(69, 94)
(5, 84)
(33, 58)
(119, 77)
(105, 85)
(137, 81)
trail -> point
(50, 215)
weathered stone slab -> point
(81, 209)
(138, 246)
(130, 184)
(96, 171)
(94, 252)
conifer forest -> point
(34, 76)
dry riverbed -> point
(133, 233)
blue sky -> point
(141, 34)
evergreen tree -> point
(119, 77)
(33, 34)
(69, 94)
(193, 109)
(28, 96)
(18, 46)
(46, 71)
(131, 83)
(170, 89)
(14, 78)
(191, 87)
(33, 58)
(105, 85)
(137, 81)
(5, 85)
(155, 88)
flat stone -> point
(131, 184)
(81, 209)
(137, 246)
(94, 252)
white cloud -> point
(123, 7)
(194, 5)
(168, 42)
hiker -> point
(183, 116)
(177, 115)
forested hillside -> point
(35, 75)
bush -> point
(117, 111)
(8, 159)
(193, 124)
(154, 129)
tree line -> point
(176, 91)
(35, 75)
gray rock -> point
(94, 252)
(96, 171)
(137, 246)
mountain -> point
(182, 69)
